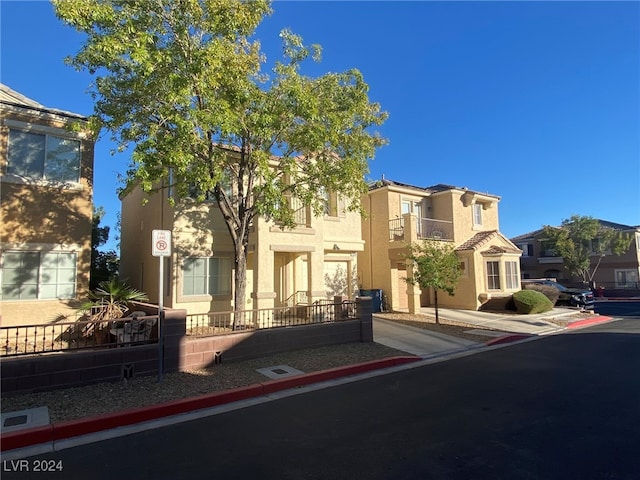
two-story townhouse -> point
(313, 261)
(539, 260)
(400, 214)
(46, 175)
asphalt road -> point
(561, 407)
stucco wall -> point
(43, 216)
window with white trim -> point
(477, 214)
(206, 276)
(512, 277)
(493, 275)
(28, 275)
(39, 156)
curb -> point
(64, 430)
(509, 338)
(589, 321)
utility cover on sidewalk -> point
(279, 371)
(33, 417)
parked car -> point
(575, 297)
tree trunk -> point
(240, 282)
(435, 298)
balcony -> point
(425, 228)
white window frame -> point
(493, 277)
(511, 274)
(42, 280)
(48, 137)
(476, 211)
(223, 278)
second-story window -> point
(47, 157)
(330, 203)
(547, 249)
(477, 214)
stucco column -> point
(411, 236)
(316, 275)
(263, 294)
(413, 291)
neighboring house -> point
(400, 214)
(615, 271)
(313, 261)
(46, 189)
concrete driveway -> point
(417, 341)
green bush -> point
(530, 301)
(547, 290)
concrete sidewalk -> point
(536, 324)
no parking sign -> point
(160, 247)
(161, 243)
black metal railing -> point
(425, 228)
(77, 335)
(222, 323)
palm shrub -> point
(531, 301)
(111, 300)
(547, 290)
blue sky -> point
(537, 102)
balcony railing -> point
(426, 228)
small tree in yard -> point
(182, 81)
(435, 265)
(579, 238)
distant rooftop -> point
(604, 223)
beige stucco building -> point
(313, 261)
(46, 189)
(400, 214)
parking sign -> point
(161, 243)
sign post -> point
(161, 247)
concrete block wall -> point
(35, 373)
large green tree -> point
(183, 81)
(435, 265)
(582, 242)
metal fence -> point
(425, 228)
(76, 335)
(222, 323)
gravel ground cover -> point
(80, 402)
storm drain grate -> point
(279, 371)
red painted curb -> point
(108, 421)
(83, 426)
(27, 437)
(589, 321)
(508, 339)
